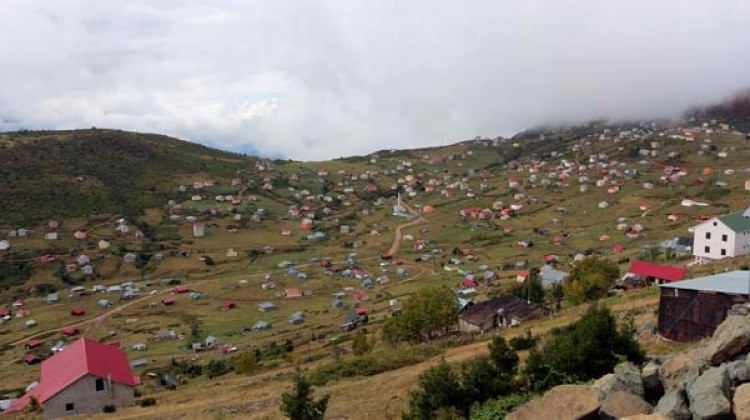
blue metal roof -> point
(732, 282)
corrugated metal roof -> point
(733, 282)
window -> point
(708, 235)
(70, 407)
(99, 384)
(707, 249)
(724, 238)
(723, 251)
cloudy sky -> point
(313, 79)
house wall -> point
(86, 399)
(742, 244)
(733, 246)
(690, 315)
(466, 327)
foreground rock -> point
(675, 371)
(621, 404)
(627, 378)
(564, 402)
(709, 395)
(651, 383)
(731, 338)
(742, 402)
(674, 405)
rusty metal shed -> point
(692, 309)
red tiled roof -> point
(658, 271)
(84, 357)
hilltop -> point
(61, 174)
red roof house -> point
(360, 296)
(227, 305)
(4, 312)
(469, 283)
(661, 273)
(72, 380)
(618, 249)
(32, 344)
(169, 300)
(31, 359)
(292, 292)
(71, 331)
(181, 289)
(77, 312)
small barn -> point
(500, 312)
(692, 309)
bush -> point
(147, 402)
(109, 408)
(245, 363)
(498, 409)
(523, 342)
(216, 368)
(360, 346)
(373, 363)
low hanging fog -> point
(323, 79)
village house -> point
(722, 237)
(500, 312)
(83, 378)
(690, 310)
(645, 273)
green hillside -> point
(65, 174)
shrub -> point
(360, 346)
(499, 408)
(147, 402)
(245, 363)
(373, 363)
(216, 368)
(109, 408)
(523, 342)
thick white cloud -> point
(322, 79)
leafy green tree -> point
(428, 314)
(504, 358)
(439, 388)
(360, 345)
(557, 294)
(591, 279)
(299, 403)
(531, 289)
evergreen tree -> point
(299, 403)
(439, 388)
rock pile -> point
(709, 381)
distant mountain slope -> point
(74, 173)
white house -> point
(723, 237)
